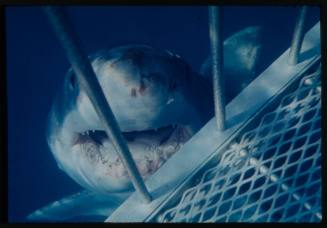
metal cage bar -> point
(298, 36)
(216, 44)
(87, 78)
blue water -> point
(36, 66)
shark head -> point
(158, 102)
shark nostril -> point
(172, 85)
(142, 88)
(72, 81)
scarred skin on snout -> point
(147, 90)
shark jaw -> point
(89, 156)
(150, 149)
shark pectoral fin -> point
(241, 52)
(82, 206)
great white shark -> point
(159, 101)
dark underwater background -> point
(36, 65)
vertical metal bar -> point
(87, 78)
(298, 36)
(216, 44)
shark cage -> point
(257, 160)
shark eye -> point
(72, 81)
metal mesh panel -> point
(272, 174)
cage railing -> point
(87, 78)
(240, 112)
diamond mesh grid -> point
(272, 174)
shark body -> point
(159, 102)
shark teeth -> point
(99, 136)
(88, 132)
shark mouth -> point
(149, 148)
